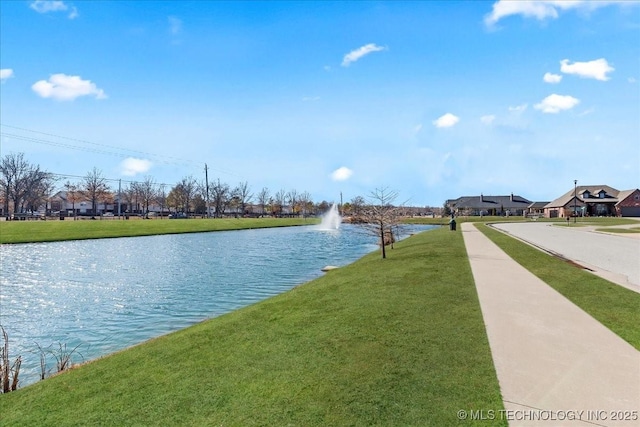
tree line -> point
(26, 188)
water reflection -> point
(113, 293)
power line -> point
(157, 157)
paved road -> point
(614, 257)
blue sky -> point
(433, 99)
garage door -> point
(630, 211)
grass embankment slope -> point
(614, 306)
(388, 342)
(56, 230)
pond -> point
(108, 294)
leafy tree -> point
(322, 207)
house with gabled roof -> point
(489, 205)
(629, 203)
(594, 200)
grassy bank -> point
(55, 230)
(388, 342)
(614, 306)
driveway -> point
(614, 257)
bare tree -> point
(161, 198)
(263, 199)
(278, 202)
(292, 199)
(95, 188)
(73, 195)
(147, 190)
(23, 185)
(184, 192)
(357, 203)
(221, 197)
(242, 194)
(306, 204)
(380, 216)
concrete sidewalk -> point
(556, 365)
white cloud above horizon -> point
(67, 88)
(596, 69)
(175, 25)
(356, 54)
(552, 78)
(446, 121)
(341, 174)
(488, 119)
(555, 103)
(518, 108)
(46, 6)
(544, 9)
(5, 73)
(132, 166)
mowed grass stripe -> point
(388, 342)
(614, 306)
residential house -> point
(594, 200)
(489, 205)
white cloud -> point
(46, 6)
(555, 103)
(356, 54)
(488, 119)
(543, 9)
(5, 74)
(631, 80)
(552, 78)
(341, 174)
(518, 108)
(175, 25)
(596, 69)
(66, 88)
(446, 121)
(132, 166)
(310, 98)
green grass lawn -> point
(612, 305)
(56, 230)
(395, 342)
(620, 230)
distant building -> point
(595, 200)
(489, 205)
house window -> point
(636, 197)
(586, 194)
(602, 194)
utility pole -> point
(206, 180)
(119, 196)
